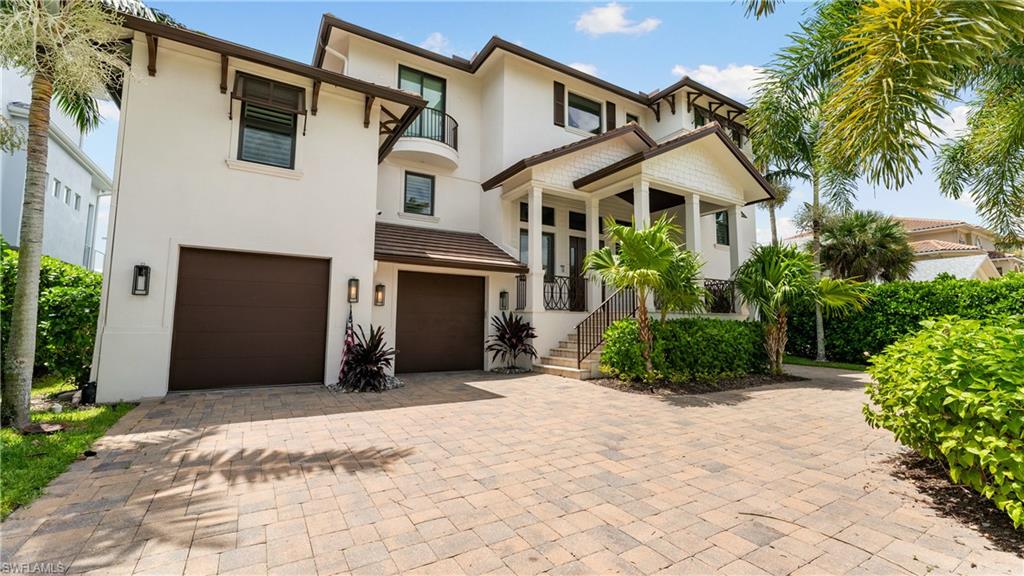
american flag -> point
(350, 341)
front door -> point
(577, 284)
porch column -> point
(593, 243)
(734, 238)
(535, 281)
(693, 224)
(641, 203)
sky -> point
(640, 46)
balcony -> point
(433, 138)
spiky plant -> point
(511, 339)
(367, 362)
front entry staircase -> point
(579, 355)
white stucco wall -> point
(174, 188)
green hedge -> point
(897, 309)
(954, 391)
(69, 301)
(690, 349)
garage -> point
(440, 324)
(244, 319)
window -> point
(56, 188)
(269, 118)
(577, 221)
(419, 194)
(722, 228)
(700, 117)
(524, 246)
(547, 214)
(78, 202)
(737, 135)
(431, 122)
(632, 118)
(67, 195)
(547, 248)
(584, 114)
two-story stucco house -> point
(74, 182)
(257, 200)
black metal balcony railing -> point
(435, 125)
(721, 296)
(565, 293)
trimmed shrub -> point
(954, 391)
(69, 302)
(685, 350)
(897, 308)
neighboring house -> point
(951, 247)
(74, 183)
(258, 200)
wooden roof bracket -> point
(672, 103)
(151, 46)
(223, 73)
(691, 97)
(656, 108)
(388, 126)
(713, 106)
(732, 114)
(366, 111)
(316, 96)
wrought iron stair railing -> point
(590, 332)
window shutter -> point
(609, 113)
(559, 104)
(269, 93)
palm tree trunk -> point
(819, 322)
(21, 345)
(644, 324)
(771, 217)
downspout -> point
(335, 53)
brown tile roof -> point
(933, 246)
(630, 128)
(444, 248)
(913, 224)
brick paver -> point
(479, 474)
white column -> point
(693, 224)
(593, 243)
(641, 203)
(535, 281)
(734, 238)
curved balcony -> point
(433, 138)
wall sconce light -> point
(353, 289)
(503, 300)
(378, 295)
(140, 280)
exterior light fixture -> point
(140, 280)
(378, 295)
(503, 300)
(353, 289)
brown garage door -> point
(440, 322)
(244, 319)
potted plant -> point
(510, 340)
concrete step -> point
(563, 371)
(570, 352)
(567, 362)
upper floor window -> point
(419, 194)
(269, 120)
(57, 188)
(700, 117)
(547, 214)
(632, 118)
(577, 221)
(78, 201)
(722, 228)
(584, 114)
(67, 195)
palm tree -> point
(70, 48)
(782, 192)
(682, 289)
(868, 246)
(643, 259)
(776, 278)
(896, 65)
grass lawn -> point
(31, 462)
(808, 362)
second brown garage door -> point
(243, 319)
(440, 324)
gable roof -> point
(938, 246)
(914, 224)
(691, 136)
(445, 248)
(630, 128)
(330, 21)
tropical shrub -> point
(367, 362)
(686, 350)
(69, 302)
(897, 308)
(954, 391)
(511, 339)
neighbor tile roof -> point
(913, 224)
(444, 248)
(932, 246)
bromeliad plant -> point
(776, 278)
(367, 362)
(510, 340)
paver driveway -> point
(473, 473)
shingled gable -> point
(536, 159)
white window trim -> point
(257, 168)
(420, 217)
(233, 162)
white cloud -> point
(951, 125)
(784, 226)
(585, 68)
(109, 110)
(734, 81)
(437, 42)
(611, 19)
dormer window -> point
(269, 120)
(700, 117)
(584, 114)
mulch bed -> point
(958, 502)
(723, 385)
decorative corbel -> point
(151, 46)
(672, 103)
(316, 96)
(367, 107)
(731, 115)
(223, 73)
(656, 108)
(714, 106)
(691, 97)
